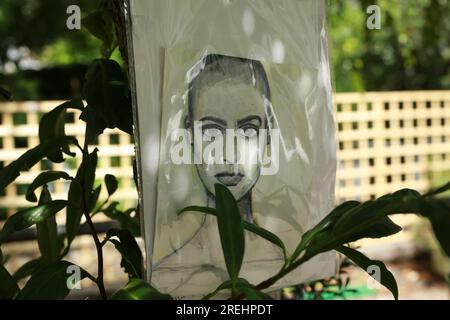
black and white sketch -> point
(236, 93)
(230, 93)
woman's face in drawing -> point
(230, 104)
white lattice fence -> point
(391, 140)
(19, 123)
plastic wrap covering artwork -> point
(235, 92)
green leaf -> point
(95, 125)
(385, 277)
(87, 168)
(138, 289)
(132, 221)
(384, 227)
(47, 232)
(111, 183)
(52, 125)
(44, 178)
(28, 217)
(27, 269)
(50, 282)
(205, 210)
(108, 97)
(231, 231)
(368, 213)
(125, 219)
(323, 237)
(326, 223)
(263, 233)
(94, 198)
(8, 286)
(130, 251)
(74, 210)
(439, 215)
(439, 190)
(99, 23)
(31, 158)
(76, 200)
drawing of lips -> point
(229, 179)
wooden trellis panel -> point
(391, 140)
(19, 124)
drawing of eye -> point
(210, 133)
(248, 131)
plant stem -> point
(98, 245)
(284, 271)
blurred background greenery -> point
(40, 60)
(410, 52)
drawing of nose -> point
(230, 149)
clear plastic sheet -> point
(257, 69)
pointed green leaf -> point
(99, 23)
(76, 207)
(384, 227)
(44, 178)
(30, 158)
(327, 223)
(51, 282)
(95, 125)
(385, 277)
(94, 198)
(47, 232)
(111, 183)
(231, 231)
(27, 269)
(52, 125)
(28, 217)
(108, 96)
(74, 210)
(368, 213)
(88, 168)
(125, 219)
(205, 210)
(130, 251)
(138, 289)
(439, 190)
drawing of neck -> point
(244, 205)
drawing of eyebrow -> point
(214, 119)
(249, 119)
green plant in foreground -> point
(348, 222)
(108, 106)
